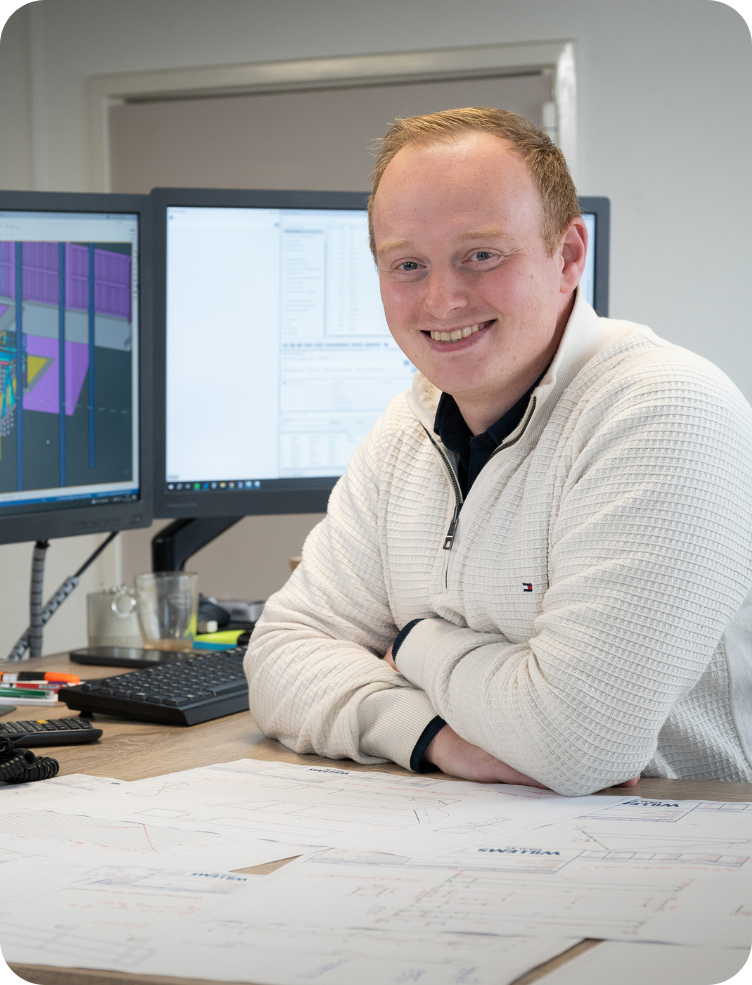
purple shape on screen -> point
(7, 270)
(112, 281)
(3, 309)
(41, 269)
(45, 393)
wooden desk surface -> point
(134, 750)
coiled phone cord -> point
(22, 766)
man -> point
(549, 538)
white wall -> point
(16, 153)
(664, 120)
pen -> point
(35, 685)
(17, 694)
(51, 676)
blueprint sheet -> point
(512, 889)
(147, 921)
(649, 964)
(24, 875)
(77, 838)
(284, 955)
(324, 806)
(702, 828)
(110, 917)
(14, 795)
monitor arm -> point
(179, 540)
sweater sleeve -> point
(317, 679)
(649, 560)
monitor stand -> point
(179, 540)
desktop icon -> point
(214, 485)
(257, 484)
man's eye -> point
(408, 265)
(481, 255)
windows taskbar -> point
(248, 485)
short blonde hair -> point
(546, 162)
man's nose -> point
(445, 294)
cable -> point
(36, 625)
(95, 554)
(22, 766)
(54, 603)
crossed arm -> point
(649, 562)
(456, 756)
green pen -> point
(22, 692)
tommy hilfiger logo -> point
(526, 586)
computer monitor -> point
(596, 211)
(75, 364)
(273, 358)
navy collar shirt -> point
(473, 451)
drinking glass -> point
(167, 609)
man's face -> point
(458, 238)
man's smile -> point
(458, 337)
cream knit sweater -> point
(593, 619)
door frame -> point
(554, 58)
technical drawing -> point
(79, 830)
(107, 948)
(625, 839)
(325, 806)
(335, 955)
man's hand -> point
(458, 757)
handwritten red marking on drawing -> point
(149, 840)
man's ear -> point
(573, 249)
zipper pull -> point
(449, 539)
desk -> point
(134, 750)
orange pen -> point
(49, 677)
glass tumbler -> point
(167, 606)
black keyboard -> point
(183, 693)
(50, 732)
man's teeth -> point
(456, 335)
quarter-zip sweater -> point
(587, 617)
(471, 454)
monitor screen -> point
(277, 356)
(596, 211)
(587, 281)
(290, 340)
(70, 335)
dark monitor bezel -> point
(311, 498)
(601, 208)
(75, 521)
